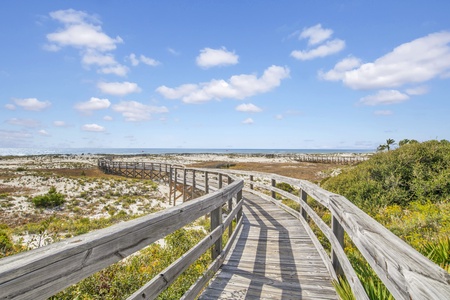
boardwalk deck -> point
(273, 258)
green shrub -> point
(51, 199)
(413, 172)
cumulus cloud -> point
(216, 57)
(237, 87)
(414, 62)
(93, 128)
(338, 72)
(316, 36)
(118, 88)
(10, 106)
(80, 31)
(384, 97)
(330, 47)
(248, 108)
(32, 104)
(92, 104)
(248, 121)
(134, 111)
(83, 31)
(135, 60)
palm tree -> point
(389, 142)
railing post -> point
(184, 185)
(206, 183)
(220, 181)
(216, 220)
(238, 199)
(274, 183)
(193, 184)
(304, 197)
(175, 187)
(251, 182)
(338, 232)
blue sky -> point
(223, 74)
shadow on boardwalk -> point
(273, 258)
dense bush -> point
(413, 172)
(408, 191)
(51, 199)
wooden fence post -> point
(206, 183)
(338, 232)
(193, 184)
(216, 220)
(251, 182)
(274, 184)
(304, 197)
(184, 185)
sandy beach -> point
(91, 194)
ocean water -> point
(134, 151)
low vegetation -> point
(408, 191)
(51, 199)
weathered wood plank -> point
(266, 262)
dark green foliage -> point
(51, 199)
(413, 172)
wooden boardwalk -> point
(274, 258)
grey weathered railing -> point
(40, 273)
(405, 272)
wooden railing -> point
(41, 273)
(406, 273)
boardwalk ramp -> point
(274, 258)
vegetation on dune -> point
(408, 191)
(51, 199)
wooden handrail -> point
(406, 273)
(42, 272)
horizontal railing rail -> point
(406, 273)
(42, 272)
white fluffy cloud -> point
(83, 32)
(414, 62)
(92, 104)
(248, 108)
(216, 57)
(80, 31)
(248, 121)
(237, 87)
(330, 47)
(135, 60)
(118, 88)
(32, 104)
(384, 97)
(134, 111)
(316, 36)
(93, 128)
(10, 106)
